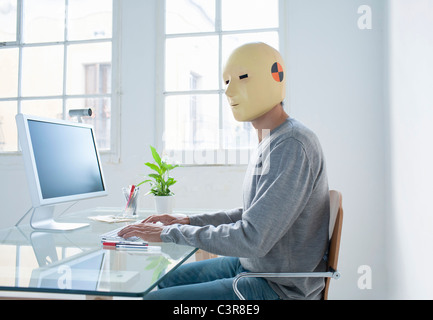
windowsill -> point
(211, 157)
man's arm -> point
(216, 218)
(203, 219)
(150, 230)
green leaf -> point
(142, 182)
(170, 166)
(157, 177)
(153, 167)
(156, 155)
(170, 181)
(165, 166)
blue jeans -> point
(211, 280)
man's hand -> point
(167, 219)
(147, 231)
(150, 228)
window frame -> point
(161, 93)
(113, 154)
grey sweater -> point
(283, 225)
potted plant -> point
(160, 183)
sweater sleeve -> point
(216, 218)
(279, 198)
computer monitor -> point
(62, 164)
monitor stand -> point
(43, 219)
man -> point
(283, 225)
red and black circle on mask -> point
(277, 72)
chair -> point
(335, 227)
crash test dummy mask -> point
(255, 81)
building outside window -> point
(55, 55)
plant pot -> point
(164, 204)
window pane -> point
(42, 71)
(191, 122)
(50, 108)
(89, 68)
(90, 19)
(231, 42)
(187, 16)
(237, 135)
(191, 63)
(249, 14)
(8, 20)
(100, 119)
(8, 128)
(9, 73)
(44, 21)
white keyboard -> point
(112, 236)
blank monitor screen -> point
(66, 159)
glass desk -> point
(75, 262)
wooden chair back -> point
(335, 227)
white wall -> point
(337, 88)
(411, 97)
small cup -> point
(131, 201)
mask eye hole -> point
(244, 76)
(227, 82)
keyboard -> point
(112, 236)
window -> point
(198, 126)
(55, 55)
